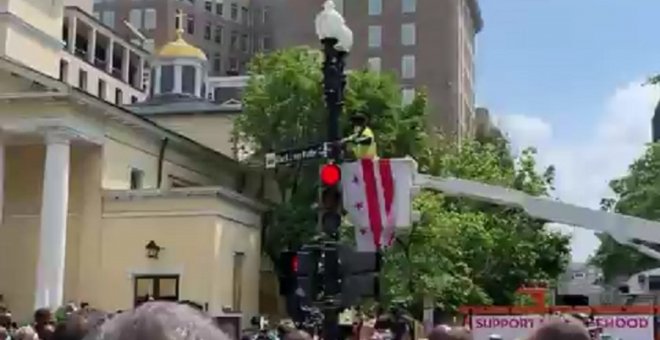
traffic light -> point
(287, 266)
(331, 207)
(360, 272)
(307, 274)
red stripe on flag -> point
(387, 183)
(373, 203)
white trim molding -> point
(18, 22)
(156, 270)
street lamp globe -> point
(331, 25)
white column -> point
(125, 63)
(139, 83)
(178, 79)
(2, 180)
(109, 56)
(73, 22)
(156, 79)
(54, 208)
(199, 80)
(91, 46)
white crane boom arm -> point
(624, 229)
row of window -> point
(102, 86)
(218, 7)
(408, 35)
(143, 18)
(407, 65)
(407, 6)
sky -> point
(566, 77)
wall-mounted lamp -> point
(153, 249)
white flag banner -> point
(376, 196)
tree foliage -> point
(637, 194)
(462, 251)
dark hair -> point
(561, 330)
(42, 313)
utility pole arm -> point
(623, 228)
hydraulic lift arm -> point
(624, 229)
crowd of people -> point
(160, 320)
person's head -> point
(5, 320)
(358, 121)
(297, 335)
(26, 333)
(75, 327)
(4, 333)
(447, 333)
(43, 316)
(561, 329)
(160, 321)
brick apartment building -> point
(228, 31)
(427, 43)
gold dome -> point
(179, 48)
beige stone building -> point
(108, 204)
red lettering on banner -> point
(505, 322)
(622, 322)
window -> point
(244, 43)
(265, 15)
(64, 70)
(137, 178)
(375, 7)
(188, 79)
(207, 31)
(166, 78)
(219, 8)
(245, 16)
(374, 64)
(109, 18)
(237, 282)
(190, 24)
(407, 96)
(82, 80)
(266, 43)
(102, 89)
(119, 97)
(233, 43)
(375, 36)
(339, 5)
(217, 63)
(134, 99)
(234, 12)
(233, 64)
(160, 287)
(208, 5)
(150, 19)
(97, 15)
(408, 35)
(135, 18)
(408, 67)
(218, 34)
(408, 6)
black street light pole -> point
(333, 84)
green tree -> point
(462, 251)
(637, 194)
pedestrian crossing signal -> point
(330, 174)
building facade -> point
(580, 283)
(101, 204)
(427, 44)
(229, 32)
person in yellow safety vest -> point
(362, 140)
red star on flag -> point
(359, 205)
(363, 231)
(356, 180)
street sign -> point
(291, 156)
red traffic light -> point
(330, 174)
(294, 263)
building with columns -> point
(112, 204)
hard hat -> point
(358, 116)
(495, 337)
